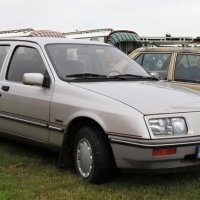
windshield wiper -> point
(115, 77)
(86, 75)
(133, 76)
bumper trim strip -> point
(142, 145)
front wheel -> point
(92, 155)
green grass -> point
(28, 173)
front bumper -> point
(137, 153)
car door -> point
(24, 109)
(187, 70)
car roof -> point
(169, 49)
(47, 40)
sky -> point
(145, 17)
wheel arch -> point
(66, 151)
(76, 123)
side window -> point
(3, 52)
(187, 68)
(24, 60)
(157, 62)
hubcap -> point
(84, 157)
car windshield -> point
(81, 61)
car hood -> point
(148, 97)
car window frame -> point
(39, 50)
(143, 53)
(193, 84)
(138, 55)
(4, 59)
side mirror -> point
(36, 79)
(155, 74)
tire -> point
(93, 159)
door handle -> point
(5, 88)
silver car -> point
(68, 95)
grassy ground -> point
(29, 173)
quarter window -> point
(25, 60)
(139, 59)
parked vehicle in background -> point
(179, 65)
(67, 95)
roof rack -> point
(89, 33)
(16, 32)
(168, 41)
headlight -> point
(168, 126)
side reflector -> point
(163, 152)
